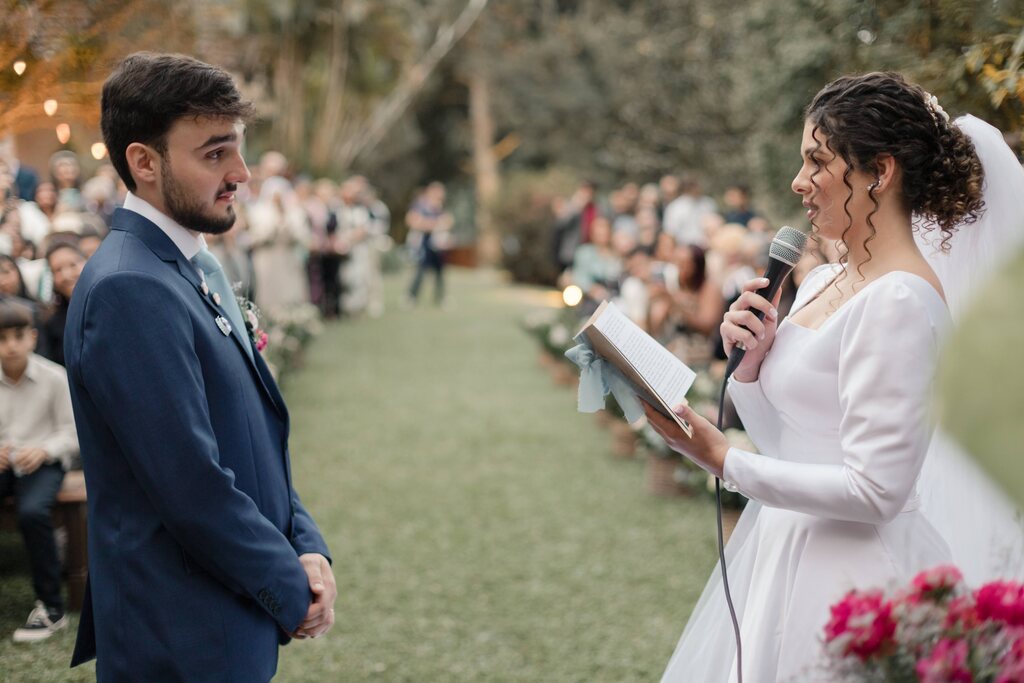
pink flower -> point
(261, 340)
(937, 583)
(946, 664)
(1011, 666)
(863, 622)
(961, 613)
(1001, 601)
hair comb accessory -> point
(932, 102)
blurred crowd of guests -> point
(670, 256)
(296, 241)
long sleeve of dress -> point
(886, 365)
(760, 420)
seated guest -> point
(65, 261)
(595, 266)
(12, 286)
(37, 442)
(11, 282)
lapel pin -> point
(224, 325)
(204, 288)
(216, 298)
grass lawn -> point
(480, 527)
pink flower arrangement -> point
(946, 664)
(861, 624)
(935, 630)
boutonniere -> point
(251, 315)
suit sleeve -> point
(306, 537)
(886, 366)
(139, 363)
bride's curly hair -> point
(877, 113)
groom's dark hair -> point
(148, 92)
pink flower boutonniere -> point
(251, 314)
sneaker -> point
(41, 624)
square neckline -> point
(789, 317)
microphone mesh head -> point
(788, 245)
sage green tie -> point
(218, 283)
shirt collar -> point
(188, 242)
(31, 373)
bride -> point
(836, 395)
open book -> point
(656, 376)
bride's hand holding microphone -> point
(742, 326)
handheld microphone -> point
(783, 254)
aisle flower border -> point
(935, 630)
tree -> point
(67, 49)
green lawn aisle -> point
(481, 530)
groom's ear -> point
(143, 163)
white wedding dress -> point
(839, 414)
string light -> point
(99, 150)
(19, 67)
(63, 133)
(572, 295)
(50, 107)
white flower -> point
(933, 103)
(558, 336)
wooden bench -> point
(69, 513)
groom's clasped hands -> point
(320, 616)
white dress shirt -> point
(188, 241)
(35, 411)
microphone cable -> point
(721, 544)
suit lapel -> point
(161, 245)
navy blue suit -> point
(194, 527)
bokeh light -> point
(572, 295)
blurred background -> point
(557, 153)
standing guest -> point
(684, 217)
(428, 218)
(380, 242)
(202, 559)
(37, 442)
(230, 249)
(572, 223)
(318, 214)
(65, 261)
(737, 205)
(279, 234)
(353, 234)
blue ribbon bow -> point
(598, 378)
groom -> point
(202, 559)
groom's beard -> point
(187, 211)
